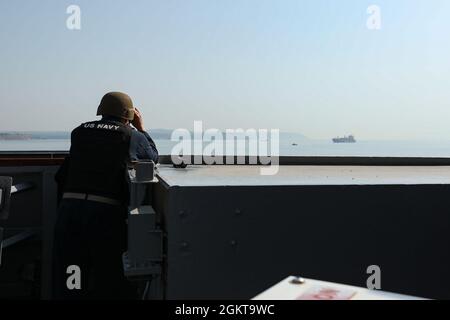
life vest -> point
(99, 156)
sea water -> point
(307, 147)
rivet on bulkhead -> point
(297, 280)
(184, 245)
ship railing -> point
(46, 158)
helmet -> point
(116, 104)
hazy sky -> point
(308, 66)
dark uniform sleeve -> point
(142, 147)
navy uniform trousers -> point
(92, 236)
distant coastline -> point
(15, 136)
(157, 134)
(62, 135)
(19, 136)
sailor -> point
(90, 231)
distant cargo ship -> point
(349, 139)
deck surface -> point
(240, 175)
